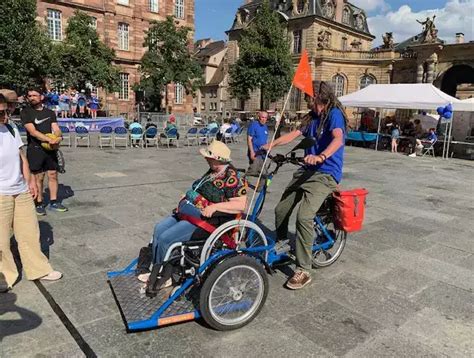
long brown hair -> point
(324, 95)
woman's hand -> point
(33, 188)
(208, 211)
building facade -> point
(335, 34)
(209, 101)
(340, 46)
(122, 25)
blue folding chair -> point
(192, 136)
(136, 134)
(106, 137)
(151, 136)
(66, 134)
(169, 136)
(120, 134)
(82, 133)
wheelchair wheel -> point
(247, 236)
(234, 293)
(324, 258)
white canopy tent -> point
(421, 96)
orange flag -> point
(302, 79)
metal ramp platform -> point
(141, 312)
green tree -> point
(25, 50)
(168, 59)
(83, 58)
(265, 60)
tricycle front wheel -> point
(234, 293)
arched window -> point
(300, 6)
(338, 82)
(346, 15)
(366, 80)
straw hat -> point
(10, 95)
(218, 151)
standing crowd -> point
(72, 103)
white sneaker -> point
(412, 155)
(144, 277)
(52, 276)
(168, 283)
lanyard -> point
(208, 178)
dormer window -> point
(346, 16)
(300, 6)
(360, 22)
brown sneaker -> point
(299, 280)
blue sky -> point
(214, 17)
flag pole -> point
(302, 80)
(265, 160)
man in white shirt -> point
(17, 210)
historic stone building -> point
(121, 24)
(336, 35)
(209, 100)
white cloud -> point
(371, 5)
(456, 16)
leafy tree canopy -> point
(83, 58)
(265, 60)
(25, 50)
(168, 58)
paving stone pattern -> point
(403, 287)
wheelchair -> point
(222, 278)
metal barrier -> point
(159, 118)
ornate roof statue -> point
(388, 41)
(430, 32)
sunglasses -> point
(3, 112)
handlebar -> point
(281, 159)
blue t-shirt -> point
(432, 137)
(259, 134)
(333, 164)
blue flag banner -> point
(92, 125)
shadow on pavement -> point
(46, 240)
(64, 192)
(8, 327)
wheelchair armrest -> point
(220, 214)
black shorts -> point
(41, 160)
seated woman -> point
(221, 189)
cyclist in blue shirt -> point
(311, 184)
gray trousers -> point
(311, 189)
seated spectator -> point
(235, 126)
(135, 137)
(224, 127)
(426, 142)
(169, 125)
(212, 124)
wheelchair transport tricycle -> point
(223, 278)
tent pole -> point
(449, 136)
(378, 129)
(444, 140)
